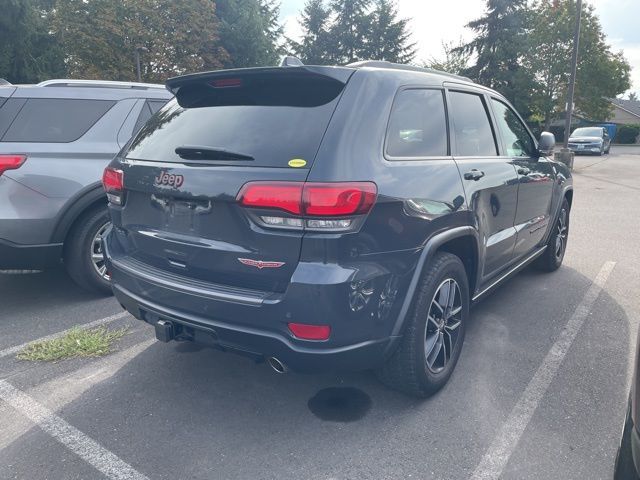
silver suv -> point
(55, 140)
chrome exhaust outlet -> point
(277, 365)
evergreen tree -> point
(455, 60)
(349, 31)
(249, 32)
(313, 48)
(389, 37)
(500, 42)
(29, 53)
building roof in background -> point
(631, 106)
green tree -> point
(29, 53)
(249, 32)
(500, 41)
(101, 37)
(349, 31)
(633, 96)
(601, 73)
(313, 48)
(389, 37)
(455, 60)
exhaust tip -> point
(277, 365)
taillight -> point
(113, 183)
(313, 206)
(310, 332)
(11, 162)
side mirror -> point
(546, 144)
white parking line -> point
(76, 441)
(496, 457)
(96, 323)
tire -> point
(552, 257)
(624, 468)
(78, 250)
(414, 368)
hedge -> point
(628, 134)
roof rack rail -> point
(61, 82)
(399, 66)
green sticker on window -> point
(297, 163)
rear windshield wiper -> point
(198, 152)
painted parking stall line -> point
(497, 455)
(86, 448)
(96, 323)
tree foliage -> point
(315, 20)
(101, 37)
(455, 60)
(389, 36)
(28, 51)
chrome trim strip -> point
(511, 271)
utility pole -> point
(138, 50)
(572, 80)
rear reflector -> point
(310, 332)
(11, 162)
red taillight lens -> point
(338, 199)
(227, 82)
(285, 196)
(112, 180)
(310, 332)
(310, 199)
(11, 162)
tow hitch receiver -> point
(164, 331)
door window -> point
(516, 138)
(473, 133)
(418, 125)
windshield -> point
(587, 132)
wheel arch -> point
(92, 196)
(456, 241)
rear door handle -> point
(474, 174)
(524, 171)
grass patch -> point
(78, 342)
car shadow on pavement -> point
(182, 411)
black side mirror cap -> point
(546, 144)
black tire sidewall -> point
(451, 268)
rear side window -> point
(145, 115)
(51, 120)
(418, 125)
(473, 133)
(267, 121)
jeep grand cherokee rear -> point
(316, 216)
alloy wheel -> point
(443, 325)
(97, 259)
(561, 234)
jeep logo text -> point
(170, 179)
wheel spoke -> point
(445, 292)
(451, 326)
(436, 350)
(432, 320)
(430, 345)
(456, 311)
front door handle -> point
(524, 171)
(474, 174)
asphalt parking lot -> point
(540, 390)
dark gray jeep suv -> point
(331, 217)
(55, 140)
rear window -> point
(271, 122)
(52, 120)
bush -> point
(627, 134)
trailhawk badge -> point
(260, 263)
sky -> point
(434, 22)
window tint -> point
(474, 137)
(156, 105)
(145, 115)
(516, 138)
(418, 125)
(55, 120)
(8, 112)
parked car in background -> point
(331, 217)
(55, 140)
(627, 466)
(592, 140)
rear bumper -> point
(252, 342)
(29, 257)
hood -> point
(585, 139)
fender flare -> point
(426, 255)
(76, 206)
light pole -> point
(572, 79)
(139, 73)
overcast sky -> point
(433, 22)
